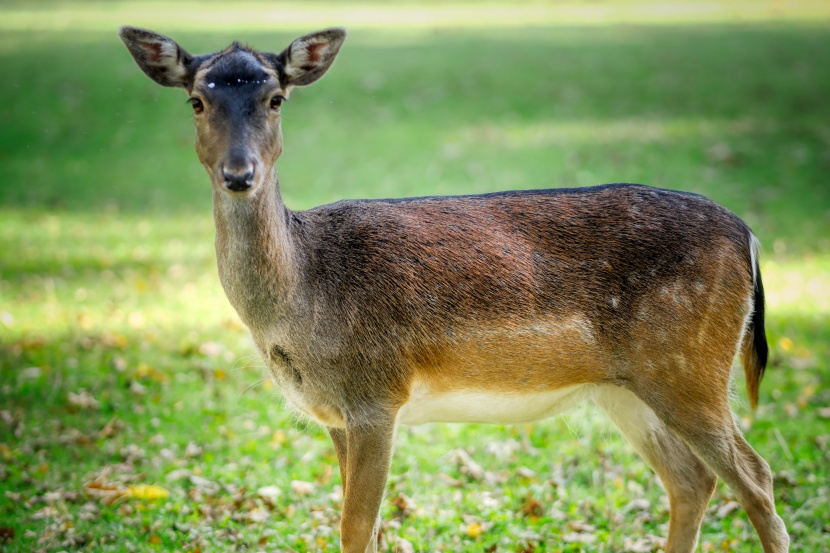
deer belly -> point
(485, 406)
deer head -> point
(236, 95)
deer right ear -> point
(309, 56)
(158, 56)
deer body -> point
(501, 308)
(517, 293)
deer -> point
(505, 307)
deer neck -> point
(254, 252)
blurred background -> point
(133, 407)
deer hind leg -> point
(747, 474)
(703, 419)
(688, 481)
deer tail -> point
(754, 348)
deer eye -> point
(198, 106)
(276, 101)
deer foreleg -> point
(338, 439)
(364, 465)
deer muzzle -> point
(238, 174)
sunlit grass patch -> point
(110, 272)
(798, 286)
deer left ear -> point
(160, 57)
(310, 56)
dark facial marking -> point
(237, 68)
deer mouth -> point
(238, 185)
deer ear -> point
(310, 56)
(159, 57)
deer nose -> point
(238, 179)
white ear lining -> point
(301, 57)
(168, 57)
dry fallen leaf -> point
(474, 530)
(638, 505)
(579, 537)
(6, 534)
(145, 371)
(578, 526)
(526, 548)
(524, 472)
(83, 400)
(325, 477)
(403, 505)
(269, 492)
(532, 508)
(302, 488)
(111, 428)
(403, 546)
(106, 492)
(147, 491)
(192, 450)
(467, 465)
(46, 512)
(727, 509)
(647, 544)
(258, 515)
(210, 349)
(7, 319)
(278, 438)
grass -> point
(122, 365)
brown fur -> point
(635, 297)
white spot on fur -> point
(565, 328)
(614, 301)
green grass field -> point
(134, 414)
